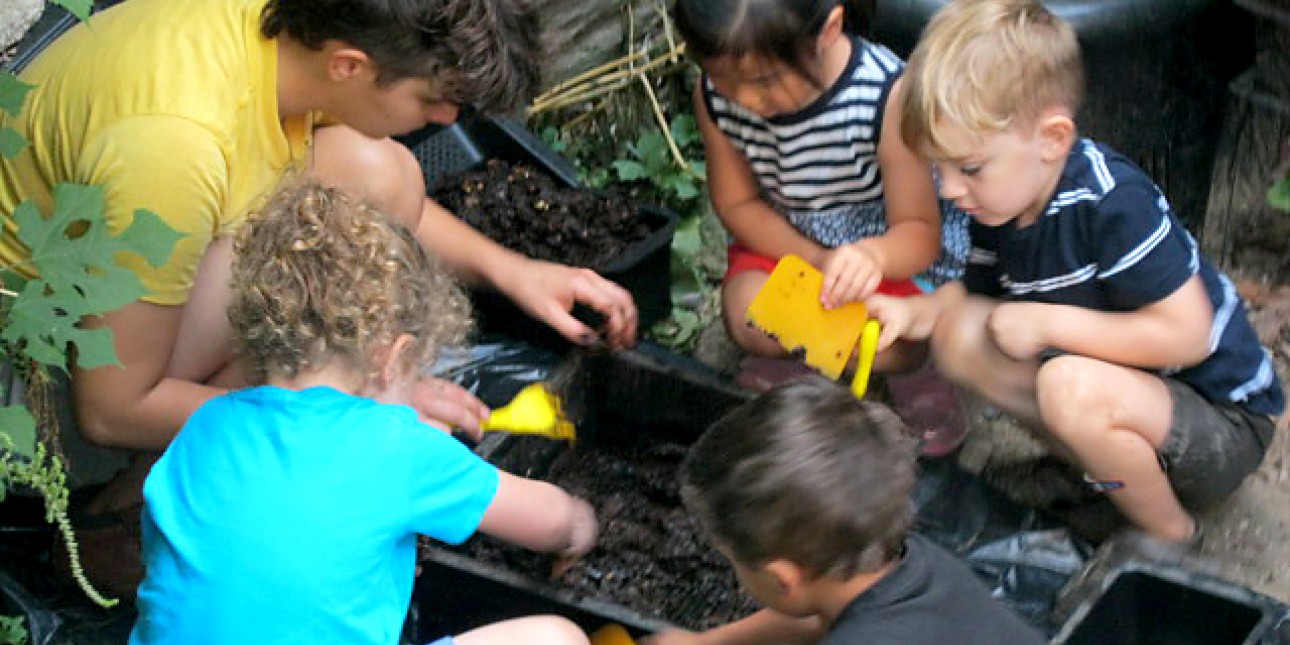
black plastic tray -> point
(644, 269)
(1136, 592)
(646, 390)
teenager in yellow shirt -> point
(196, 110)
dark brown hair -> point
(481, 52)
(807, 473)
(782, 30)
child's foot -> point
(759, 373)
(930, 405)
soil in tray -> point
(652, 556)
(524, 209)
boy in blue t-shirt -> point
(1086, 310)
(289, 512)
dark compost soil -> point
(652, 556)
(524, 209)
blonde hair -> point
(987, 66)
(320, 275)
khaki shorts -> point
(1211, 448)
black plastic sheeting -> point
(1023, 555)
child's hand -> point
(895, 316)
(583, 531)
(1019, 329)
(851, 273)
(446, 405)
(673, 637)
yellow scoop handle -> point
(535, 410)
(868, 348)
(612, 634)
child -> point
(290, 512)
(1092, 316)
(807, 491)
(803, 157)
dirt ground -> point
(1247, 539)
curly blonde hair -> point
(987, 66)
(320, 276)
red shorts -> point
(742, 259)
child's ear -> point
(788, 576)
(1056, 135)
(344, 63)
(834, 25)
(389, 360)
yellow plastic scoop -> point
(612, 634)
(535, 410)
(788, 308)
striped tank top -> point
(818, 167)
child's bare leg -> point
(736, 296)
(531, 630)
(1114, 419)
(966, 353)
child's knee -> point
(958, 342)
(1072, 393)
(555, 630)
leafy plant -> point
(1279, 195)
(74, 256)
(12, 631)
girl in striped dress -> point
(801, 128)
(801, 124)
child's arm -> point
(1173, 332)
(914, 317)
(766, 627)
(913, 237)
(540, 516)
(737, 200)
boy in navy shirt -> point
(1085, 310)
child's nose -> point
(442, 113)
(952, 187)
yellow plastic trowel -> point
(612, 634)
(535, 410)
(788, 308)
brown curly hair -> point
(479, 52)
(320, 275)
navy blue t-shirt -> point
(1109, 241)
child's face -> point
(767, 88)
(997, 177)
(399, 107)
(762, 585)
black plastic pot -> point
(1139, 591)
(644, 269)
(1157, 74)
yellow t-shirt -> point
(170, 105)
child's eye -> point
(970, 170)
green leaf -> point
(17, 422)
(1279, 195)
(79, 276)
(629, 170)
(12, 631)
(151, 237)
(79, 8)
(13, 93)
(11, 143)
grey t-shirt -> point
(930, 598)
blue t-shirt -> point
(281, 516)
(1109, 241)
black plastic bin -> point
(1138, 592)
(645, 390)
(644, 270)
